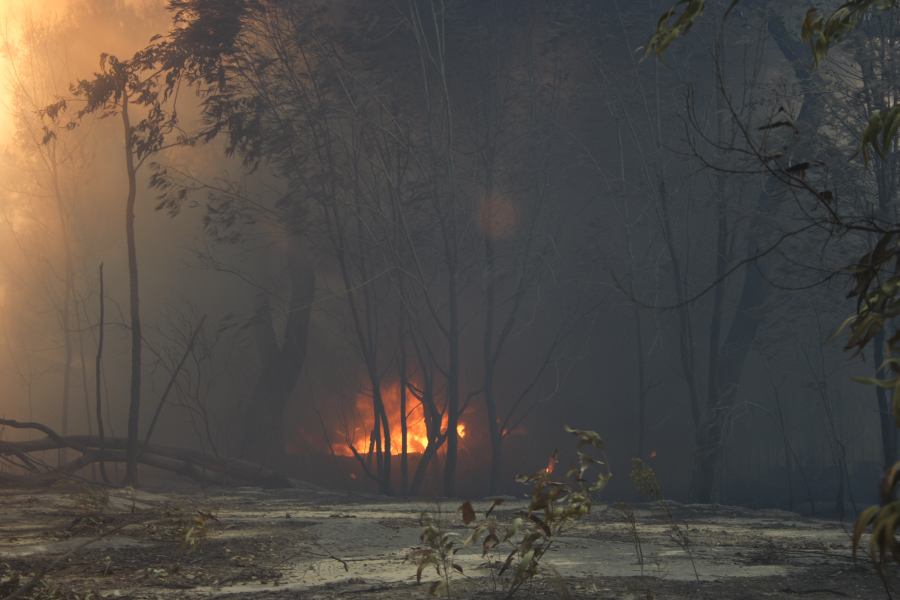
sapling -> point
(554, 506)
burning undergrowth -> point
(345, 442)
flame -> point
(551, 464)
(360, 429)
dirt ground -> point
(314, 544)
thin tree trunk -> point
(134, 408)
(885, 418)
(490, 400)
(452, 390)
(263, 418)
(642, 383)
(98, 365)
(404, 449)
(754, 291)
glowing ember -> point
(551, 464)
(359, 430)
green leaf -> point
(673, 24)
(886, 384)
(862, 522)
(895, 403)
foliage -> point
(820, 32)
(823, 32)
(884, 520)
(438, 551)
(674, 24)
(198, 528)
(555, 505)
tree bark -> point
(98, 366)
(263, 425)
(452, 389)
(134, 408)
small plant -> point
(644, 479)
(631, 521)
(555, 505)
(438, 550)
(93, 500)
(198, 529)
(884, 520)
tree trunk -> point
(134, 408)
(382, 434)
(885, 416)
(748, 316)
(98, 368)
(452, 390)
(263, 424)
(490, 400)
(404, 449)
(641, 384)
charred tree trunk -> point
(641, 384)
(404, 390)
(742, 332)
(134, 408)
(263, 430)
(453, 375)
(98, 370)
(885, 416)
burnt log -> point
(181, 461)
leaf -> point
(497, 502)
(886, 384)
(491, 541)
(544, 527)
(586, 437)
(889, 482)
(862, 522)
(673, 25)
(419, 571)
(468, 513)
(895, 403)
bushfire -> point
(357, 431)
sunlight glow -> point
(14, 15)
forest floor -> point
(312, 544)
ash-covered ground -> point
(85, 542)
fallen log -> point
(181, 461)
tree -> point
(118, 89)
(876, 283)
(371, 133)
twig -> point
(172, 379)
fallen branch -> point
(182, 461)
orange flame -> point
(363, 423)
(551, 464)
